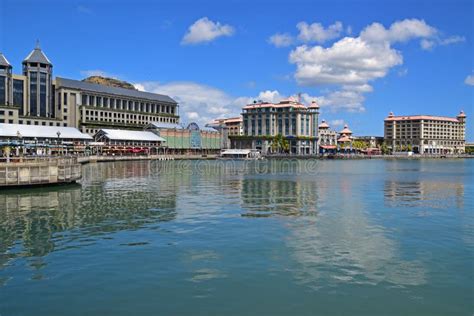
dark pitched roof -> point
(93, 87)
(4, 61)
(37, 56)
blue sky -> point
(358, 59)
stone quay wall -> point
(39, 171)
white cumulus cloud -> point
(197, 102)
(317, 33)
(202, 103)
(348, 61)
(400, 31)
(205, 30)
(469, 80)
(349, 65)
(337, 123)
(281, 40)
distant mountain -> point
(109, 82)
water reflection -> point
(425, 183)
(427, 193)
(345, 245)
(114, 197)
(324, 224)
(268, 197)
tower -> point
(39, 72)
(5, 81)
(461, 117)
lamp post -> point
(59, 135)
(19, 136)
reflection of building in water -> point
(267, 197)
(346, 246)
(423, 193)
(34, 218)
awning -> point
(327, 147)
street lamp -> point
(59, 135)
(19, 136)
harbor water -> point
(275, 237)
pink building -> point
(426, 133)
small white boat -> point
(241, 154)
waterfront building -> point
(128, 141)
(34, 98)
(345, 138)
(41, 139)
(233, 125)
(228, 127)
(426, 134)
(295, 122)
(327, 138)
(190, 139)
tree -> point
(360, 145)
(384, 149)
(280, 144)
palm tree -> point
(280, 144)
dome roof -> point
(344, 139)
(313, 105)
(461, 114)
(323, 124)
(346, 130)
(37, 56)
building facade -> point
(228, 127)
(190, 139)
(295, 122)
(345, 138)
(34, 98)
(327, 138)
(426, 134)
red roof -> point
(344, 139)
(313, 105)
(288, 103)
(346, 130)
(323, 124)
(421, 117)
(328, 146)
(233, 120)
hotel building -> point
(426, 134)
(327, 138)
(34, 98)
(262, 121)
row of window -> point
(128, 105)
(3, 112)
(125, 117)
(427, 142)
(42, 123)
